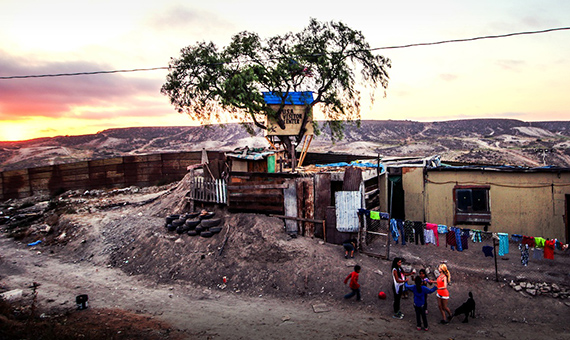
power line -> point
(472, 39)
(85, 73)
(372, 49)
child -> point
(354, 285)
(425, 282)
(420, 293)
(399, 278)
(349, 247)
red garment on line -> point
(549, 249)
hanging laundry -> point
(442, 229)
(450, 239)
(394, 230)
(488, 251)
(516, 238)
(465, 238)
(434, 228)
(409, 231)
(384, 216)
(400, 224)
(539, 242)
(524, 254)
(458, 238)
(558, 245)
(429, 237)
(375, 215)
(476, 236)
(528, 240)
(419, 231)
(538, 253)
(503, 243)
(549, 249)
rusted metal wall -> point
(141, 170)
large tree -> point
(209, 84)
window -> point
(472, 205)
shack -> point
(495, 198)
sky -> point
(525, 77)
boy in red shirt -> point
(354, 285)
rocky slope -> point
(488, 141)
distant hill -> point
(482, 141)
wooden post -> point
(192, 190)
(388, 241)
(495, 250)
(309, 206)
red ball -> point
(382, 295)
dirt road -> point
(202, 313)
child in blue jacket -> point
(420, 293)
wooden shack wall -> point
(257, 192)
(140, 170)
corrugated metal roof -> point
(293, 98)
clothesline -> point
(458, 238)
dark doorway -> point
(396, 197)
(567, 219)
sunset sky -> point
(524, 77)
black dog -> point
(468, 308)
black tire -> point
(170, 227)
(178, 222)
(207, 215)
(181, 229)
(211, 222)
(215, 230)
(192, 223)
(206, 234)
(171, 218)
(192, 215)
(199, 229)
(192, 233)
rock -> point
(517, 288)
(531, 291)
(11, 295)
(320, 308)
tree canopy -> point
(209, 83)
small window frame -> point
(473, 213)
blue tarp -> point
(293, 98)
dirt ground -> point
(148, 283)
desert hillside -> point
(488, 141)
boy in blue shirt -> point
(420, 293)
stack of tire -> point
(194, 224)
